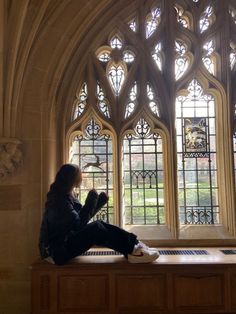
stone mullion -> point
(224, 53)
(92, 85)
(142, 79)
(169, 76)
(226, 154)
(130, 79)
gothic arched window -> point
(150, 115)
(143, 176)
(196, 149)
(91, 148)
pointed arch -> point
(197, 159)
(125, 43)
(92, 147)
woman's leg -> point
(102, 234)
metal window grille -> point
(143, 177)
(197, 170)
(92, 151)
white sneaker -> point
(144, 246)
(142, 255)
(140, 244)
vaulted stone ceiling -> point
(43, 42)
(42, 46)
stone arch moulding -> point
(64, 78)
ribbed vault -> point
(42, 48)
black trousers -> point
(94, 233)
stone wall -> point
(37, 41)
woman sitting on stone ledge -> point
(66, 232)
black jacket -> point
(64, 215)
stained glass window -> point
(232, 11)
(232, 56)
(128, 56)
(147, 76)
(133, 25)
(116, 42)
(143, 176)
(132, 101)
(181, 18)
(104, 56)
(102, 101)
(92, 151)
(196, 150)
(152, 21)
(206, 19)
(181, 61)
(232, 59)
(80, 101)
(153, 102)
(116, 75)
(208, 59)
(156, 54)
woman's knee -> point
(97, 223)
(99, 230)
(102, 223)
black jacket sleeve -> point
(89, 208)
(93, 204)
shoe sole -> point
(140, 260)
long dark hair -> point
(64, 181)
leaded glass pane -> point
(116, 42)
(232, 12)
(232, 59)
(102, 101)
(208, 59)
(92, 151)
(128, 56)
(152, 21)
(133, 25)
(156, 54)
(153, 102)
(104, 56)
(132, 101)
(198, 188)
(206, 19)
(81, 101)
(181, 61)
(181, 19)
(116, 75)
(232, 55)
(143, 176)
(195, 111)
